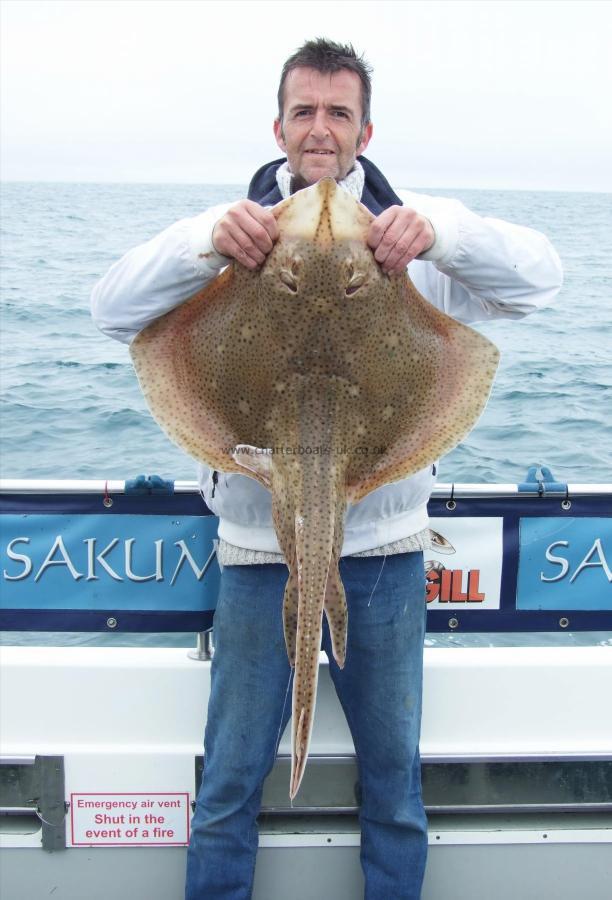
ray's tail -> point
(309, 510)
(314, 543)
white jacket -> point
(478, 269)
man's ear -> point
(278, 134)
(365, 138)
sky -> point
(484, 94)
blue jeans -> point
(250, 704)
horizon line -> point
(240, 184)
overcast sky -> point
(465, 94)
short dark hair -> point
(329, 56)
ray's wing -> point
(428, 380)
(198, 371)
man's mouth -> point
(321, 152)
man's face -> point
(321, 131)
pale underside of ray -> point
(323, 379)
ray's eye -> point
(289, 279)
(357, 281)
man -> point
(470, 267)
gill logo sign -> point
(463, 567)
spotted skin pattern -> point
(346, 376)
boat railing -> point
(140, 556)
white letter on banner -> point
(560, 560)
(58, 544)
(186, 555)
(18, 557)
(157, 575)
(91, 560)
(602, 561)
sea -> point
(72, 408)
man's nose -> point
(319, 128)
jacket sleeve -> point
(154, 277)
(480, 268)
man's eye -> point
(302, 112)
(339, 113)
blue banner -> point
(146, 563)
(102, 562)
(565, 564)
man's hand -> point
(397, 236)
(246, 232)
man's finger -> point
(408, 246)
(392, 230)
(265, 220)
(230, 239)
(402, 235)
(239, 246)
(380, 226)
(249, 227)
(259, 233)
(397, 233)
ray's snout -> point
(325, 214)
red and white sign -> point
(129, 819)
(463, 568)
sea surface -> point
(71, 406)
